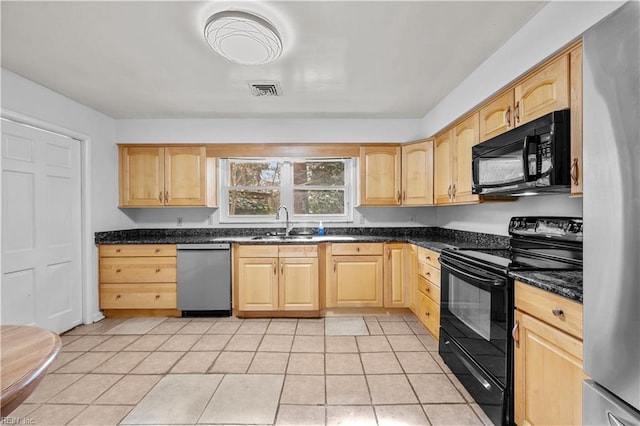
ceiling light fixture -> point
(243, 37)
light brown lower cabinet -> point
(548, 359)
(396, 281)
(355, 275)
(428, 290)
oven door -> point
(476, 308)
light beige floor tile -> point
(137, 325)
(210, 320)
(417, 327)
(282, 327)
(157, 363)
(54, 414)
(179, 343)
(211, 342)
(269, 363)
(373, 344)
(294, 415)
(345, 326)
(308, 343)
(115, 343)
(195, 327)
(343, 364)
(232, 362)
(305, 363)
(395, 327)
(276, 343)
(303, 390)
(86, 390)
(183, 320)
(225, 327)
(147, 343)
(253, 327)
(84, 343)
(51, 385)
(244, 342)
(195, 362)
(486, 421)
(310, 328)
(341, 344)
(418, 362)
(99, 327)
(176, 399)
(121, 363)
(380, 363)
(451, 414)
(63, 359)
(391, 389)
(394, 415)
(86, 362)
(102, 415)
(434, 389)
(429, 342)
(390, 318)
(129, 390)
(244, 399)
(350, 416)
(463, 391)
(347, 390)
(167, 327)
(406, 343)
(68, 338)
(436, 356)
(22, 411)
(374, 328)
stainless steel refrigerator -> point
(611, 206)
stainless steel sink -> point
(309, 238)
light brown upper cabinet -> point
(155, 176)
(380, 175)
(545, 91)
(452, 165)
(497, 116)
(417, 173)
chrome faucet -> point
(286, 224)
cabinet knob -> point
(428, 290)
(157, 296)
(157, 250)
(428, 274)
(157, 270)
(557, 312)
(118, 296)
(117, 250)
(427, 314)
(118, 270)
(357, 248)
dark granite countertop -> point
(563, 283)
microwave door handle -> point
(528, 141)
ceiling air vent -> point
(265, 88)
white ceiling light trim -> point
(243, 37)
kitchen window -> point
(313, 189)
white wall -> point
(556, 25)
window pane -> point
(253, 202)
(318, 202)
(318, 173)
(254, 174)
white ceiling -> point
(344, 59)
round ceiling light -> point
(243, 38)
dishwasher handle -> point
(216, 246)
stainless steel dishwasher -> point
(204, 279)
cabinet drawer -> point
(354, 249)
(138, 250)
(557, 311)
(429, 314)
(137, 296)
(138, 270)
(429, 257)
(429, 289)
(429, 272)
(290, 250)
(262, 250)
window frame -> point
(287, 189)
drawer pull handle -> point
(157, 296)
(160, 196)
(281, 268)
(557, 312)
(516, 112)
(399, 197)
(166, 196)
(389, 254)
(117, 250)
(275, 269)
(118, 270)
(334, 266)
(157, 250)
(575, 172)
(515, 334)
(428, 257)
(427, 314)
(428, 290)
(118, 296)
(157, 270)
(357, 248)
(428, 274)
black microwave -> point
(531, 159)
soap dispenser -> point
(320, 229)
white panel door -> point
(41, 229)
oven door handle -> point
(487, 281)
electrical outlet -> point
(179, 221)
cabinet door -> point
(413, 278)
(417, 174)
(185, 176)
(429, 314)
(575, 64)
(356, 282)
(442, 168)
(257, 284)
(380, 176)
(497, 116)
(395, 282)
(548, 374)
(141, 176)
(465, 137)
(298, 284)
(545, 91)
